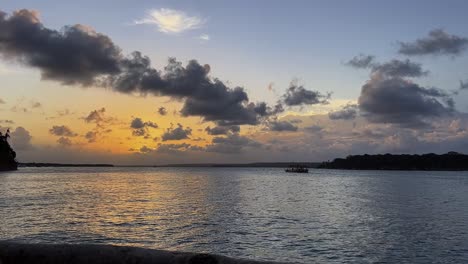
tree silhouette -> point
(7, 154)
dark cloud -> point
(231, 144)
(75, 54)
(361, 61)
(222, 130)
(173, 148)
(438, 42)
(62, 131)
(91, 136)
(79, 55)
(64, 142)
(399, 101)
(348, 112)
(281, 126)
(21, 139)
(145, 149)
(177, 133)
(297, 95)
(96, 116)
(398, 68)
(464, 85)
(162, 111)
(313, 129)
(140, 127)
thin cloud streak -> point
(171, 21)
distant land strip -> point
(451, 161)
(35, 164)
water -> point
(325, 216)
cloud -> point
(162, 111)
(399, 101)
(222, 130)
(21, 139)
(438, 42)
(91, 136)
(7, 121)
(281, 126)
(313, 129)
(2, 101)
(96, 116)
(463, 85)
(63, 131)
(298, 95)
(35, 104)
(171, 21)
(76, 54)
(140, 128)
(348, 112)
(79, 55)
(64, 142)
(177, 133)
(231, 144)
(398, 68)
(361, 61)
(145, 149)
(204, 37)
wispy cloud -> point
(171, 21)
(204, 37)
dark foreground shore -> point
(104, 254)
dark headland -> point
(7, 154)
(451, 161)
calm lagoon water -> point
(326, 216)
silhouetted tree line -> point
(7, 154)
(448, 161)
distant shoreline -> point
(39, 164)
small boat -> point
(297, 169)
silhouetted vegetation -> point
(38, 164)
(7, 154)
(449, 161)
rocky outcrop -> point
(7, 154)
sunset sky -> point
(157, 82)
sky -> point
(157, 82)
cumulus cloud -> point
(398, 68)
(177, 133)
(281, 126)
(79, 55)
(171, 21)
(438, 42)
(399, 101)
(222, 130)
(140, 127)
(62, 131)
(361, 61)
(348, 112)
(21, 139)
(298, 95)
(162, 111)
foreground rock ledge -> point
(100, 254)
